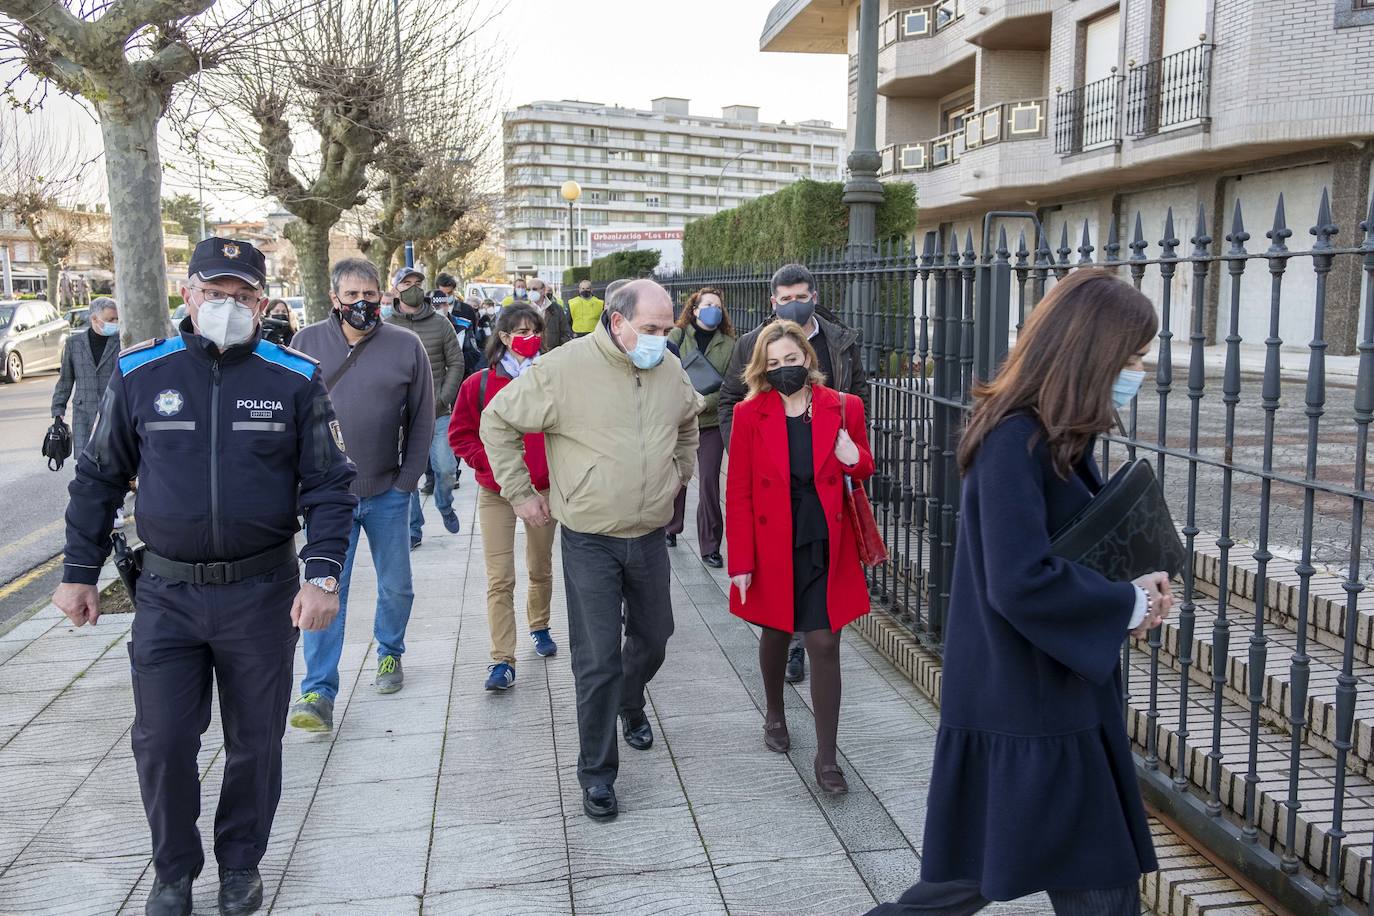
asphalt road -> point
(32, 498)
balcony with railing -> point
(1007, 122)
(1086, 118)
(1169, 92)
(919, 22)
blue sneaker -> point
(451, 521)
(502, 677)
(543, 643)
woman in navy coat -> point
(1033, 786)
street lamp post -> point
(721, 176)
(571, 191)
(863, 192)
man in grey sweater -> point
(414, 313)
(379, 379)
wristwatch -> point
(327, 584)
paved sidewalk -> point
(447, 799)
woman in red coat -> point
(515, 342)
(794, 562)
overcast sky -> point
(624, 52)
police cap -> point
(217, 257)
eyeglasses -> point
(804, 297)
(247, 300)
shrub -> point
(575, 275)
(173, 302)
(790, 225)
(620, 264)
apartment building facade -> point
(1087, 112)
(642, 171)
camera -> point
(276, 330)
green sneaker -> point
(312, 713)
(390, 677)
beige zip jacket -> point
(620, 441)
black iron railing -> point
(1086, 117)
(1253, 710)
(1169, 92)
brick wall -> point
(1009, 76)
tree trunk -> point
(432, 267)
(55, 285)
(312, 258)
(382, 254)
(134, 173)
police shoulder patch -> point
(287, 358)
(148, 351)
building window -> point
(653, 200)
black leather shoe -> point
(599, 802)
(172, 899)
(713, 560)
(672, 540)
(639, 734)
(240, 891)
(796, 665)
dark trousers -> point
(710, 521)
(184, 634)
(607, 577)
(957, 898)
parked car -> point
(32, 337)
(78, 320)
(178, 314)
(297, 304)
(493, 291)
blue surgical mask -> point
(110, 329)
(387, 312)
(648, 351)
(709, 316)
(1127, 386)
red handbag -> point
(859, 512)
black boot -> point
(796, 664)
(170, 899)
(240, 891)
(639, 734)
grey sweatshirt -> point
(384, 402)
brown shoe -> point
(776, 738)
(831, 779)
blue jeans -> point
(383, 518)
(445, 465)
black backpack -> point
(57, 444)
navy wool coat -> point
(1033, 786)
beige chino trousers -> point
(498, 520)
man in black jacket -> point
(837, 350)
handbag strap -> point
(844, 421)
(354, 352)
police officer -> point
(228, 436)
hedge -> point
(624, 264)
(802, 218)
(575, 275)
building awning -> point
(811, 26)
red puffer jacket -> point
(463, 435)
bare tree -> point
(457, 242)
(126, 58)
(42, 180)
(321, 100)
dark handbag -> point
(1126, 531)
(858, 512)
(57, 444)
(705, 377)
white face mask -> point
(536, 295)
(225, 323)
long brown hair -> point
(689, 311)
(1065, 361)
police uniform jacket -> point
(227, 447)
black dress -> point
(810, 535)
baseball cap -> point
(403, 272)
(217, 257)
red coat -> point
(758, 508)
(463, 435)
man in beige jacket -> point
(619, 419)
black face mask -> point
(800, 312)
(585, 293)
(361, 315)
(788, 379)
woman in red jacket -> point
(794, 562)
(514, 344)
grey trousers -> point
(956, 898)
(610, 580)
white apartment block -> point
(1089, 111)
(643, 170)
